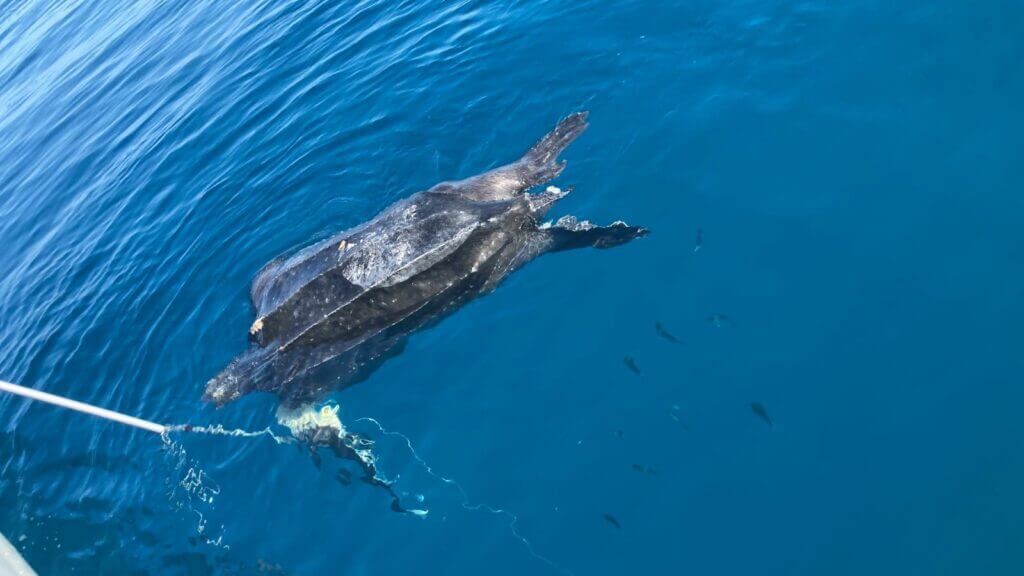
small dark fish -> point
(759, 409)
(665, 333)
(344, 477)
(611, 520)
(619, 434)
(645, 469)
(268, 568)
(719, 320)
(631, 364)
(700, 240)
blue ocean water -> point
(855, 169)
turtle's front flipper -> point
(568, 233)
(539, 165)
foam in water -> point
(304, 421)
(513, 518)
(193, 490)
(306, 418)
(219, 430)
(198, 491)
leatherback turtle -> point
(329, 314)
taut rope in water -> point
(81, 407)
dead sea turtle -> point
(329, 314)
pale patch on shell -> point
(256, 326)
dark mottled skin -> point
(331, 313)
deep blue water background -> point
(857, 170)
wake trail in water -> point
(193, 490)
(480, 507)
(219, 430)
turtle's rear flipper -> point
(568, 233)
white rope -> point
(81, 407)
